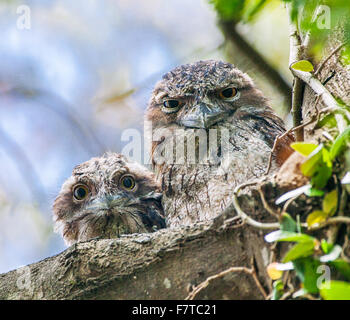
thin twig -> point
(286, 295)
(273, 255)
(287, 204)
(297, 102)
(331, 221)
(296, 54)
(328, 57)
(342, 254)
(232, 223)
(267, 207)
(331, 103)
(244, 216)
(205, 283)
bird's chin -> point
(107, 224)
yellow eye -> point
(228, 93)
(80, 192)
(128, 182)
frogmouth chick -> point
(106, 197)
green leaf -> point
(318, 166)
(342, 266)
(304, 148)
(229, 9)
(321, 176)
(300, 250)
(313, 192)
(310, 165)
(335, 290)
(288, 223)
(345, 56)
(339, 143)
(326, 157)
(334, 254)
(328, 121)
(306, 270)
(303, 65)
(296, 6)
(280, 235)
(316, 217)
(326, 247)
(277, 290)
(252, 8)
(330, 202)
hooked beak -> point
(203, 116)
(108, 202)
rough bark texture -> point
(336, 77)
(162, 265)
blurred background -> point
(78, 73)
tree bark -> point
(162, 265)
(334, 75)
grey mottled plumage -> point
(192, 100)
(106, 197)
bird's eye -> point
(80, 192)
(128, 182)
(228, 93)
(170, 106)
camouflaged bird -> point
(212, 130)
(106, 197)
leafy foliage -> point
(318, 18)
(335, 290)
(314, 17)
(238, 10)
(306, 256)
(309, 256)
(309, 253)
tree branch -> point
(332, 105)
(244, 216)
(296, 54)
(204, 284)
(271, 74)
(160, 265)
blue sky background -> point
(57, 83)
